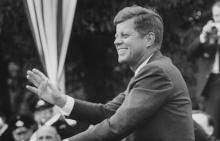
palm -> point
(42, 87)
(46, 92)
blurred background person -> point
(44, 115)
(203, 126)
(22, 127)
(5, 133)
(204, 120)
(43, 111)
(205, 49)
(47, 133)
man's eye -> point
(125, 35)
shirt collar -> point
(142, 65)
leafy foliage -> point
(92, 71)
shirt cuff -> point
(68, 107)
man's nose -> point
(117, 41)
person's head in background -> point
(22, 127)
(216, 12)
(47, 133)
(139, 32)
(43, 111)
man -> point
(205, 49)
(22, 127)
(47, 133)
(44, 115)
(155, 105)
(43, 111)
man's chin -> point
(122, 60)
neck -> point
(146, 55)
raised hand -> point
(206, 29)
(208, 26)
(44, 88)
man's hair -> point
(146, 20)
(217, 3)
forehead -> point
(126, 26)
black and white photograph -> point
(109, 70)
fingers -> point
(32, 89)
(210, 22)
(40, 90)
(208, 26)
(36, 77)
(32, 77)
(40, 82)
(40, 74)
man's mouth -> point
(122, 50)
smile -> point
(122, 50)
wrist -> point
(61, 101)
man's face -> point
(216, 14)
(22, 134)
(130, 45)
(47, 134)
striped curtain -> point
(51, 24)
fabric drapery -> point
(51, 24)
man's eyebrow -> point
(49, 136)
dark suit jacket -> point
(65, 130)
(155, 107)
(204, 54)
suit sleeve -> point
(146, 96)
(94, 113)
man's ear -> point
(150, 38)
